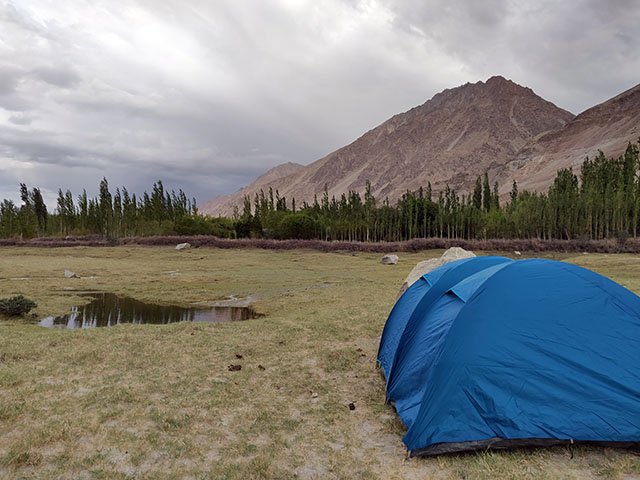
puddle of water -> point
(108, 309)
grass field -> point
(159, 401)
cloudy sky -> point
(206, 95)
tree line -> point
(110, 214)
(600, 201)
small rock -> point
(234, 368)
(69, 274)
(517, 253)
(238, 355)
(260, 367)
(183, 246)
(314, 395)
(389, 259)
(352, 406)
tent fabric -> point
(399, 315)
(527, 352)
(419, 295)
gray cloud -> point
(208, 95)
(56, 76)
(20, 120)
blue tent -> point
(514, 353)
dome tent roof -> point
(419, 295)
(534, 352)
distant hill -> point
(496, 126)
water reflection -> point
(108, 309)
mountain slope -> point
(451, 139)
(609, 127)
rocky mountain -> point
(451, 139)
(609, 127)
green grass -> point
(159, 402)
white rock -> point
(183, 246)
(454, 253)
(517, 253)
(389, 259)
(69, 274)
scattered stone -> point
(260, 367)
(238, 355)
(389, 259)
(183, 246)
(70, 274)
(314, 395)
(454, 253)
(517, 253)
(352, 406)
(234, 368)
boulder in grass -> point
(183, 246)
(454, 253)
(389, 259)
(69, 274)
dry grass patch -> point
(160, 402)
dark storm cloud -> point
(208, 95)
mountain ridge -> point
(496, 126)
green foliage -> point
(193, 226)
(198, 225)
(16, 306)
(486, 193)
(298, 226)
(477, 194)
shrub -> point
(298, 226)
(16, 306)
(192, 226)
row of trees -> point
(111, 215)
(601, 201)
